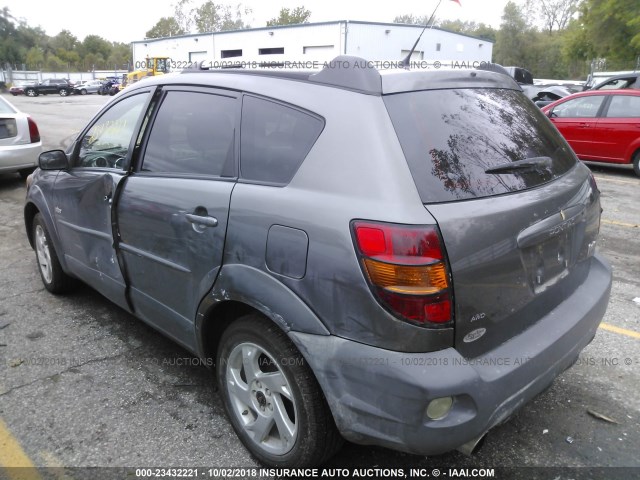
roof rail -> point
(350, 72)
(344, 71)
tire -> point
(272, 398)
(53, 277)
(63, 92)
(30, 92)
(636, 163)
(83, 92)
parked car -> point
(20, 142)
(105, 87)
(60, 86)
(17, 88)
(114, 89)
(91, 86)
(78, 84)
(550, 94)
(596, 78)
(601, 125)
(620, 82)
(401, 258)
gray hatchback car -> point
(397, 258)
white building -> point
(316, 41)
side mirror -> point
(53, 160)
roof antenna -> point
(407, 60)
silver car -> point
(20, 142)
(398, 258)
(92, 86)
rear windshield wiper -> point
(533, 163)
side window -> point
(624, 106)
(275, 140)
(106, 144)
(616, 84)
(583, 107)
(193, 133)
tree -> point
(212, 17)
(485, 31)
(576, 45)
(98, 46)
(544, 57)
(208, 17)
(7, 27)
(55, 64)
(65, 40)
(34, 58)
(613, 28)
(512, 38)
(289, 17)
(92, 61)
(120, 55)
(22, 44)
(555, 14)
(231, 20)
(69, 57)
(411, 19)
(165, 27)
(182, 15)
(16, 40)
(480, 30)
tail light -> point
(406, 270)
(33, 130)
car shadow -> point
(11, 181)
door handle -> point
(585, 125)
(200, 220)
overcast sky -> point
(125, 21)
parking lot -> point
(83, 383)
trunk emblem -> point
(474, 335)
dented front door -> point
(84, 196)
(83, 215)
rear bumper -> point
(380, 397)
(17, 157)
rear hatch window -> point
(518, 238)
(452, 139)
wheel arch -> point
(635, 160)
(30, 212)
(37, 204)
(240, 290)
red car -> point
(600, 125)
(17, 89)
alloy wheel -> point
(261, 398)
(44, 254)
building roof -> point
(303, 25)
